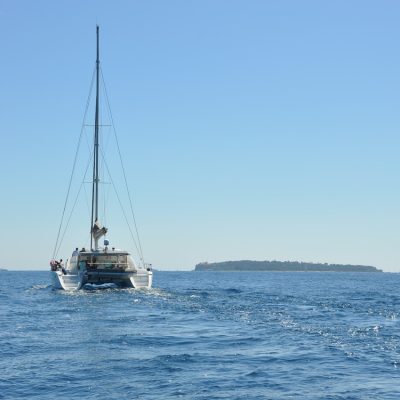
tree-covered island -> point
(286, 266)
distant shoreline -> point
(281, 266)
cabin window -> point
(82, 265)
(107, 262)
(73, 263)
(122, 261)
(85, 262)
(103, 261)
(131, 264)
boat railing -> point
(107, 265)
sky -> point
(262, 130)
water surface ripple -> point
(203, 336)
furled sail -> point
(98, 231)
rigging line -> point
(89, 145)
(87, 241)
(73, 207)
(91, 125)
(106, 138)
(122, 207)
(106, 195)
(104, 144)
(73, 166)
(87, 140)
(122, 164)
(69, 218)
(86, 198)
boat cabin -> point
(115, 260)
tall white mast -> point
(96, 230)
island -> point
(281, 266)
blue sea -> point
(203, 335)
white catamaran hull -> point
(137, 280)
(66, 282)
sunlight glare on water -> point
(199, 335)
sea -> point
(203, 335)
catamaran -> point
(99, 264)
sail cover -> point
(98, 231)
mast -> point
(95, 185)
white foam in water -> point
(202, 338)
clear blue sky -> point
(250, 129)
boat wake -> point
(40, 287)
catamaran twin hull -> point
(136, 280)
(100, 267)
